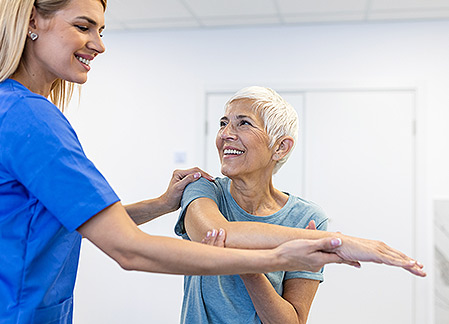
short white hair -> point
(279, 117)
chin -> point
(224, 172)
(227, 173)
(80, 81)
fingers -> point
(188, 178)
(397, 258)
(312, 225)
(354, 249)
(352, 263)
(417, 269)
(184, 177)
(181, 174)
(328, 244)
(215, 238)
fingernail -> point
(419, 264)
(197, 175)
(336, 242)
(221, 232)
(412, 262)
(214, 232)
(208, 234)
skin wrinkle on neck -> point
(256, 200)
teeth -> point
(83, 60)
(233, 152)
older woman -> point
(256, 136)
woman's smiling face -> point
(242, 142)
(67, 41)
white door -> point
(360, 169)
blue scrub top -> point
(48, 188)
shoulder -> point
(21, 106)
(17, 95)
(204, 185)
(310, 210)
(203, 188)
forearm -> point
(116, 234)
(147, 210)
(175, 256)
(269, 305)
(203, 215)
(255, 235)
(169, 201)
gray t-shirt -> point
(224, 299)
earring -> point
(33, 36)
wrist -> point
(251, 277)
(279, 260)
(165, 205)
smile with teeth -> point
(83, 60)
(232, 152)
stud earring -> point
(33, 36)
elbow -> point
(127, 260)
(126, 264)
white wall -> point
(144, 102)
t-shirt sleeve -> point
(321, 222)
(198, 189)
(41, 150)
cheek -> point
(260, 139)
(218, 141)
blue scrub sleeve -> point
(40, 149)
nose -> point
(228, 132)
(96, 44)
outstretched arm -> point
(113, 231)
(203, 214)
(150, 209)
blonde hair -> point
(279, 117)
(14, 22)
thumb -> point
(188, 179)
(312, 225)
(328, 244)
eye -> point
(82, 28)
(223, 123)
(245, 122)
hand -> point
(218, 238)
(309, 255)
(215, 238)
(312, 226)
(357, 249)
(180, 179)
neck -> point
(257, 196)
(31, 77)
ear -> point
(33, 18)
(284, 145)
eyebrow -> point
(90, 21)
(243, 116)
(237, 117)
